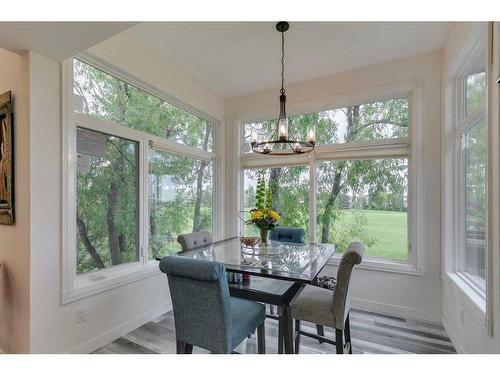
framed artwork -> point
(6, 160)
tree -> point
(107, 189)
(343, 184)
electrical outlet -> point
(81, 314)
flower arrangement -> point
(263, 216)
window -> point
(99, 94)
(474, 235)
(471, 171)
(180, 200)
(107, 189)
(359, 193)
(475, 90)
(140, 172)
(365, 122)
(290, 196)
(364, 200)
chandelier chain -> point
(282, 63)
(282, 142)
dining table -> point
(277, 271)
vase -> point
(264, 236)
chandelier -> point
(282, 142)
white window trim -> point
(75, 286)
(462, 124)
(479, 302)
(410, 147)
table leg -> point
(288, 330)
(281, 324)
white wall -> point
(114, 312)
(466, 329)
(417, 297)
(14, 239)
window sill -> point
(109, 279)
(373, 264)
(475, 301)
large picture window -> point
(290, 196)
(386, 119)
(471, 173)
(360, 179)
(140, 172)
(107, 204)
(180, 199)
(99, 94)
(364, 200)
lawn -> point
(388, 229)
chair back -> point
(342, 292)
(295, 235)
(195, 239)
(201, 302)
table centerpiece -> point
(263, 217)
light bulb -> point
(253, 138)
(283, 128)
(310, 135)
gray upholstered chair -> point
(204, 313)
(195, 239)
(329, 308)
(295, 235)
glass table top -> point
(299, 262)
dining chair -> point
(205, 315)
(282, 234)
(329, 308)
(194, 239)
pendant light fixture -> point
(282, 142)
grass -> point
(388, 229)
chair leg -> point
(261, 339)
(250, 334)
(347, 332)
(320, 331)
(271, 309)
(339, 341)
(297, 336)
(181, 347)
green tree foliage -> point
(475, 89)
(354, 185)
(107, 187)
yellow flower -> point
(274, 215)
(257, 215)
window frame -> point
(407, 147)
(463, 122)
(79, 286)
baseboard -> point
(398, 311)
(458, 347)
(99, 341)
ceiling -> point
(236, 58)
(57, 40)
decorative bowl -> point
(250, 241)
